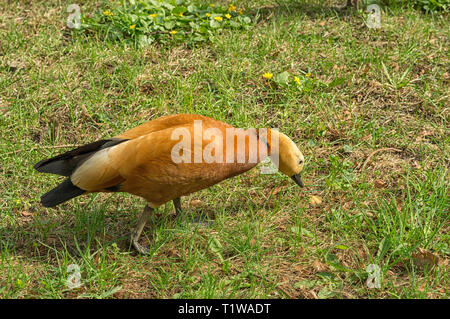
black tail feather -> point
(61, 193)
(65, 164)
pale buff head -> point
(291, 160)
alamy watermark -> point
(374, 279)
(227, 145)
(74, 18)
(374, 17)
(74, 278)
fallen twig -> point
(377, 151)
(36, 148)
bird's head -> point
(290, 159)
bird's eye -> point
(301, 162)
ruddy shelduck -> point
(167, 158)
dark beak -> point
(298, 180)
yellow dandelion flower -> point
(154, 15)
(218, 18)
(297, 80)
(208, 14)
(268, 75)
(132, 26)
(228, 16)
(107, 13)
(241, 11)
(231, 8)
(173, 32)
(308, 75)
(181, 14)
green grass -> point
(369, 90)
(168, 22)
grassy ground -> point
(372, 121)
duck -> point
(167, 158)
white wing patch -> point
(94, 169)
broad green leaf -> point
(216, 247)
(326, 293)
(332, 260)
(179, 10)
(282, 78)
(234, 24)
(214, 24)
(305, 284)
(326, 275)
(169, 25)
(336, 82)
(301, 231)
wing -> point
(163, 123)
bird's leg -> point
(177, 204)
(136, 233)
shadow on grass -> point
(90, 230)
(49, 236)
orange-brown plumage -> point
(142, 165)
(158, 161)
